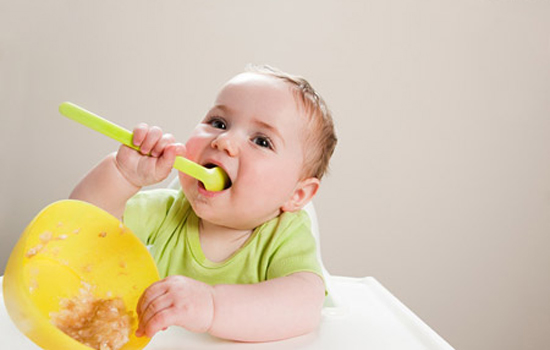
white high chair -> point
(359, 313)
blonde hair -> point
(321, 141)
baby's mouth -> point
(228, 182)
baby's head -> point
(319, 135)
(273, 135)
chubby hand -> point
(175, 301)
(154, 161)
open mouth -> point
(212, 165)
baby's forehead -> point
(268, 97)
(256, 80)
(270, 86)
(244, 76)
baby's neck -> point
(218, 243)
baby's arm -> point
(121, 175)
(276, 309)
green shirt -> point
(163, 219)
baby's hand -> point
(176, 301)
(154, 161)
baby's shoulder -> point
(287, 225)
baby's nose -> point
(226, 143)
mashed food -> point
(102, 324)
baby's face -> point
(254, 132)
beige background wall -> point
(439, 186)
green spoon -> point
(214, 179)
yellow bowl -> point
(68, 243)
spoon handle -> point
(214, 179)
(120, 134)
(97, 123)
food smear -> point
(102, 324)
(45, 238)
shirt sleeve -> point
(295, 248)
(146, 211)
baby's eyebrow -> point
(269, 127)
(258, 122)
(223, 108)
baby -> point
(241, 263)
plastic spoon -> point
(214, 179)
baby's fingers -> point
(156, 306)
(159, 321)
(169, 155)
(151, 139)
(153, 292)
(159, 147)
(139, 134)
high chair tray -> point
(365, 316)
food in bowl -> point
(102, 324)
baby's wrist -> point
(131, 185)
(212, 296)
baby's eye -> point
(218, 123)
(262, 141)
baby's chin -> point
(225, 220)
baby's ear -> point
(303, 193)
